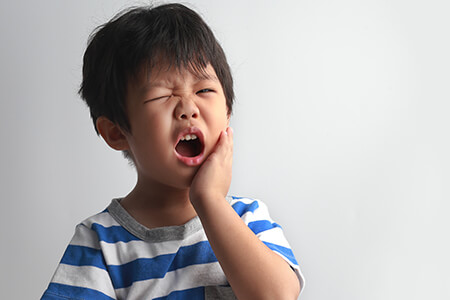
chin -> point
(185, 178)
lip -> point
(191, 161)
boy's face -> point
(176, 119)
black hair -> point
(117, 50)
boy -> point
(159, 89)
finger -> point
(229, 131)
(228, 138)
(223, 144)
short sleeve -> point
(82, 272)
(256, 215)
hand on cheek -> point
(213, 178)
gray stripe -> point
(219, 293)
(153, 235)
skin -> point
(170, 192)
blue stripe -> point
(113, 234)
(83, 256)
(200, 253)
(139, 269)
(195, 293)
(157, 267)
(283, 250)
(58, 291)
(241, 208)
(262, 225)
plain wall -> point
(341, 126)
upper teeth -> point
(188, 137)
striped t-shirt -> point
(112, 256)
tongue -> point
(188, 149)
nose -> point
(186, 109)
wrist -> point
(202, 201)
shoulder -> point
(86, 232)
(103, 218)
(97, 228)
(104, 227)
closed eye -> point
(204, 91)
(157, 98)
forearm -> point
(252, 269)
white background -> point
(341, 126)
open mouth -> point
(189, 146)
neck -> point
(156, 205)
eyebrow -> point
(204, 76)
(161, 83)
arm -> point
(252, 269)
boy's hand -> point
(213, 178)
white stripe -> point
(85, 237)
(121, 253)
(104, 219)
(256, 216)
(86, 277)
(181, 279)
(274, 236)
(260, 214)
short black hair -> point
(147, 35)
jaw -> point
(174, 178)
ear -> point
(112, 134)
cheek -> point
(218, 114)
(154, 119)
(150, 131)
(219, 124)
